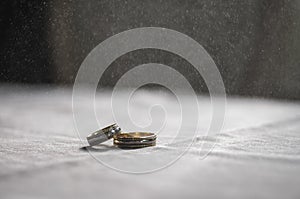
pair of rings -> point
(122, 140)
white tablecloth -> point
(257, 154)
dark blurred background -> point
(255, 44)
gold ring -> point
(134, 140)
(135, 136)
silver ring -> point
(103, 135)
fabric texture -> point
(256, 155)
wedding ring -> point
(134, 146)
(134, 140)
(135, 136)
(103, 135)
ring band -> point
(133, 140)
(135, 136)
(103, 135)
(142, 142)
(134, 146)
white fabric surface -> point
(257, 155)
